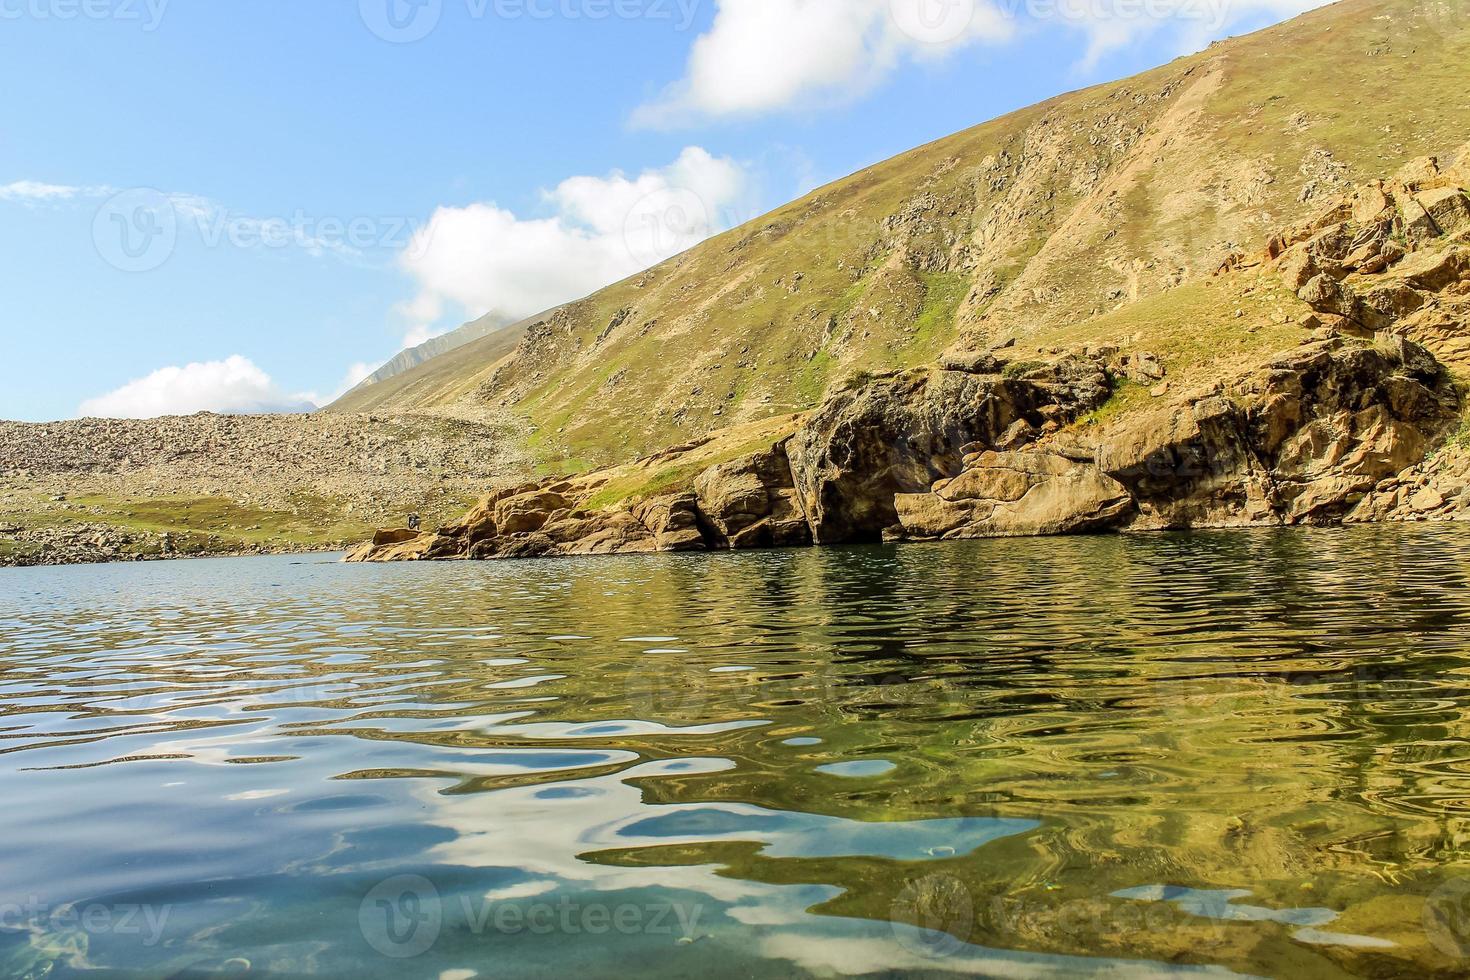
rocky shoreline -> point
(1339, 429)
(96, 544)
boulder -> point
(1435, 270)
(1427, 500)
(394, 545)
(673, 521)
(1448, 208)
(1143, 368)
(971, 362)
(527, 512)
(1370, 202)
(1297, 267)
(1380, 305)
(1419, 173)
(1416, 224)
(384, 539)
(1457, 171)
(752, 502)
(1325, 294)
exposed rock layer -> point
(1304, 440)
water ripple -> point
(991, 757)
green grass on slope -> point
(1374, 81)
(934, 329)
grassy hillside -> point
(1099, 214)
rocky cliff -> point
(994, 441)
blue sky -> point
(323, 182)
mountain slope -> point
(1113, 202)
(411, 357)
(410, 380)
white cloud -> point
(767, 55)
(763, 56)
(234, 386)
(484, 259)
(35, 191)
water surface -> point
(1208, 755)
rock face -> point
(898, 435)
(1300, 441)
(752, 503)
(673, 521)
(1015, 494)
(1297, 442)
(1303, 440)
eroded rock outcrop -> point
(1299, 441)
(1302, 440)
(748, 502)
(1305, 439)
(752, 503)
(1379, 255)
(899, 434)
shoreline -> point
(1459, 518)
(6, 564)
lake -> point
(1195, 755)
